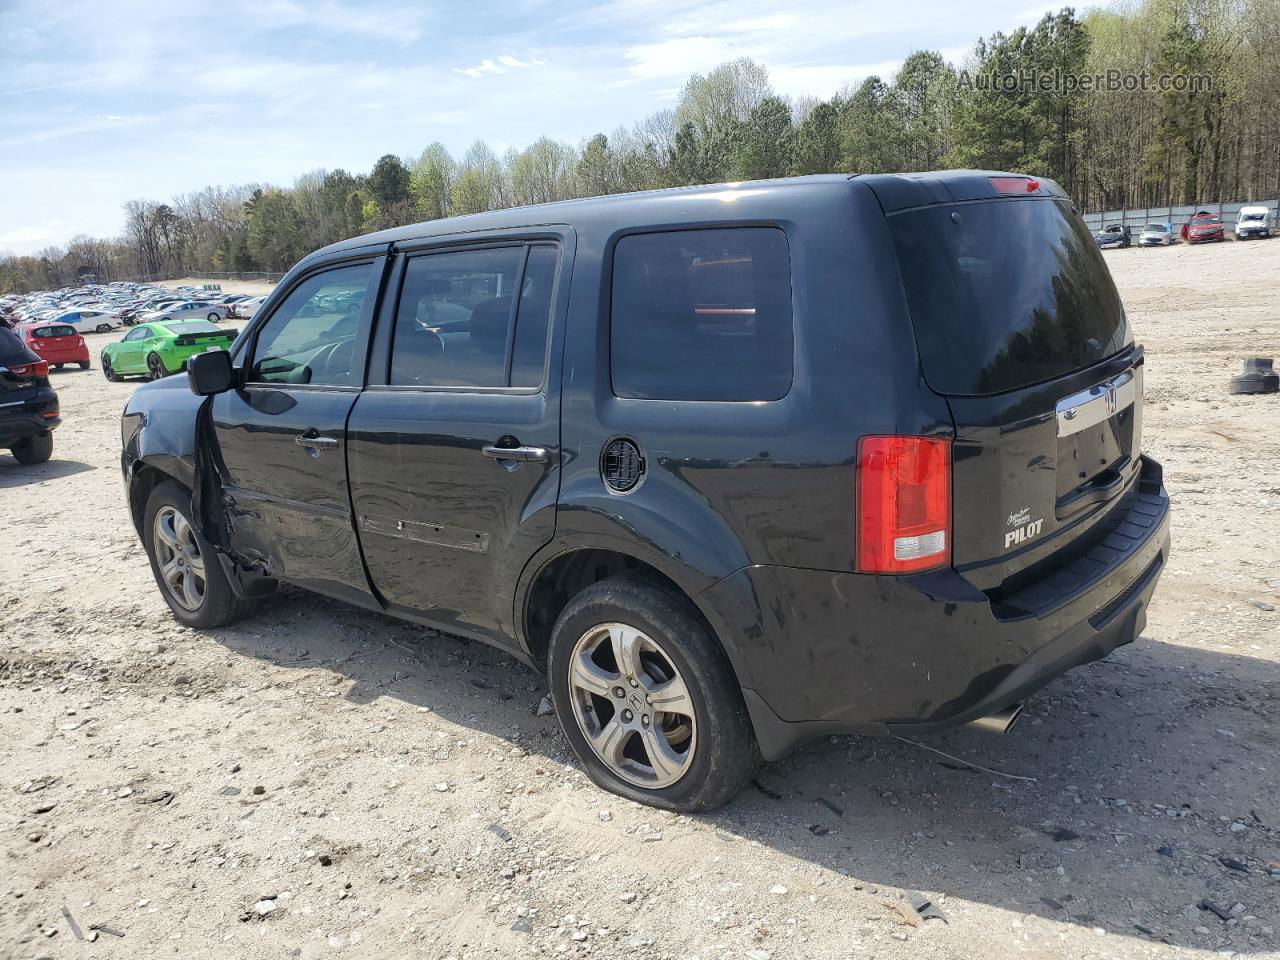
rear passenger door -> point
(454, 446)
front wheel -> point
(109, 371)
(104, 328)
(214, 317)
(647, 698)
(33, 449)
(155, 367)
(184, 565)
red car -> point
(56, 343)
(1203, 228)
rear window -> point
(58, 331)
(193, 326)
(1006, 293)
(702, 315)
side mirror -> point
(210, 373)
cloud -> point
(501, 65)
(678, 57)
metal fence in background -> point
(1177, 216)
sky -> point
(103, 101)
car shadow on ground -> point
(15, 474)
(1141, 764)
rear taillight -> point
(904, 504)
(28, 371)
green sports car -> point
(158, 349)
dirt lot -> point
(318, 781)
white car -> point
(1253, 222)
(1156, 235)
(247, 308)
(88, 321)
(189, 310)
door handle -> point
(316, 443)
(521, 454)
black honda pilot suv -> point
(735, 465)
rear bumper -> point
(16, 427)
(822, 652)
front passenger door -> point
(282, 434)
(129, 357)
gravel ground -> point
(318, 781)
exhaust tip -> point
(1001, 721)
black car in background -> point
(736, 465)
(28, 404)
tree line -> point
(1109, 148)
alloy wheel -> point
(155, 367)
(178, 558)
(632, 705)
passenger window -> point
(311, 337)
(702, 315)
(529, 353)
(454, 319)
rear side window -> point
(1005, 293)
(454, 324)
(702, 315)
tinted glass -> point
(1005, 294)
(13, 350)
(141, 333)
(702, 315)
(453, 319)
(60, 331)
(529, 353)
(310, 338)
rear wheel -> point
(33, 449)
(58, 366)
(185, 567)
(647, 699)
(214, 317)
(84, 364)
(155, 367)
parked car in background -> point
(247, 308)
(1156, 235)
(1205, 228)
(1114, 235)
(1253, 222)
(694, 454)
(56, 343)
(87, 321)
(188, 310)
(156, 349)
(28, 404)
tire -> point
(36, 449)
(58, 366)
(213, 317)
(103, 328)
(109, 371)
(705, 750)
(84, 364)
(199, 594)
(155, 367)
